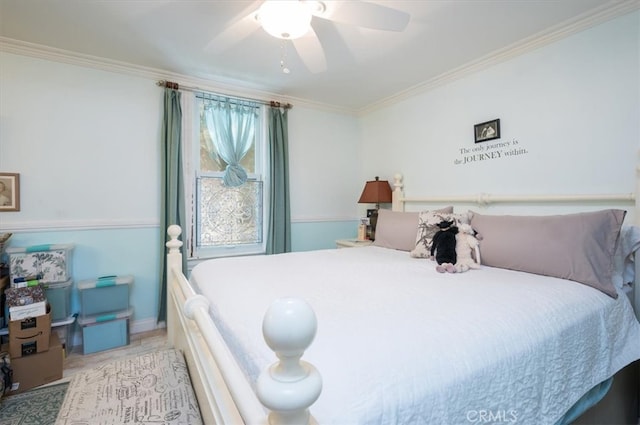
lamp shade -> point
(376, 192)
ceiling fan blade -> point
(239, 29)
(367, 15)
(310, 51)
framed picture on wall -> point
(9, 192)
(488, 130)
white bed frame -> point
(226, 397)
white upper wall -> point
(574, 106)
(86, 143)
(323, 167)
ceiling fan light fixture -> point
(285, 19)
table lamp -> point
(375, 192)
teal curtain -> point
(231, 126)
(279, 225)
(172, 209)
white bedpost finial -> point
(483, 199)
(174, 244)
(289, 386)
(397, 194)
(397, 182)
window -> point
(227, 219)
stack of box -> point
(36, 369)
(50, 265)
(105, 312)
(36, 353)
(29, 320)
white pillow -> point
(427, 228)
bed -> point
(387, 339)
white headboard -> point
(628, 201)
(486, 199)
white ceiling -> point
(201, 39)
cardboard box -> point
(29, 336)
(38, 369)
(26, 302)
(28, 310)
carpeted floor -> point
(39, 406)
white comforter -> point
(399, 343)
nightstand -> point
(352, 243)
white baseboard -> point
(145, 325)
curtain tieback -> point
(234, 175)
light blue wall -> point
(309, 236)
(110, 252)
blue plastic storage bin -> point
(104, 295)
(104, 332)
(50, 263)
(59, 298)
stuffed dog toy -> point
(466, 243)
(444, 247)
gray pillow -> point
(397, 229)
(578, 247)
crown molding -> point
(219, 85)
(609, 10)
(597, 16)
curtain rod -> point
(176, 86)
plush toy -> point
(444, 247)
(466, 243)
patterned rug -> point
(39, 406)
(152, 388)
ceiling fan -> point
(293, 20)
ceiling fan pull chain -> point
(283, 58)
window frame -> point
(191, 150)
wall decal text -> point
(486, 152)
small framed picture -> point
(487, 130)
(9, 192)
